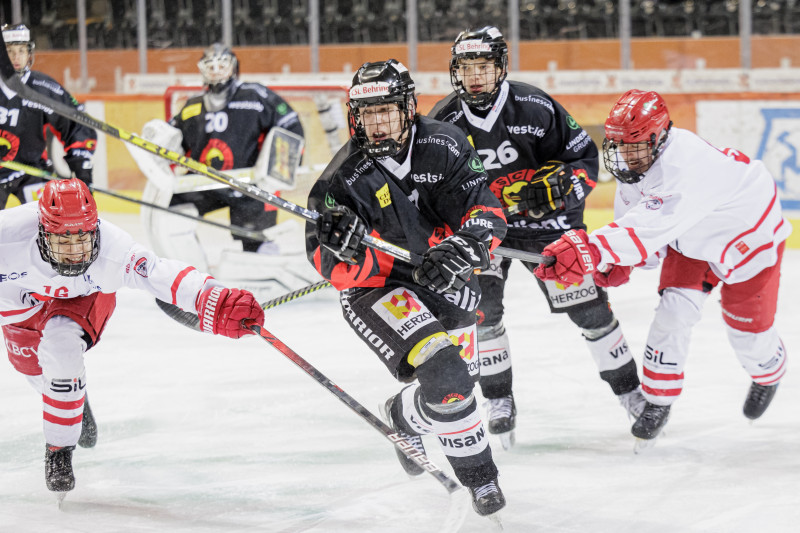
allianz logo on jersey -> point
(426, 177)
(526, 129)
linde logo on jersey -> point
(526, 129)
(12, 276)
(365, 90)
(471, 47)
(579, 143)
(402, 312)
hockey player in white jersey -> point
(710, 216)
(58, 291)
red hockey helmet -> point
(68, 226)
(637, 117)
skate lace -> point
(654, 413)
(759, 393)
(485, 490)
(500, 407)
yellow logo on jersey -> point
(471, 142)
(191, 111)
(383, 196)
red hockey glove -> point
(222, 310)
(616, 276)
(575, 257)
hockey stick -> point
(458, 498)
(76, 115)
(191, 321)
(39, 173)
(14, 83)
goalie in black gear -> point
(417, 183)
(26, 125)
(541, 165)
(224, 128)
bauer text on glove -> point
(574, 257)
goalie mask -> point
(219, 69)
(635, 131)
(382, 108)
(19, 46)
(478, 66)
(69, 235)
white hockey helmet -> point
(19, 34)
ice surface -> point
(206, 434)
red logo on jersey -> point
(742, 247)
(9, 143)
(217, 154)
(507, 188)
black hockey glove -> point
(81, 167)
(546, 191)
(341, 231)
(448, 266)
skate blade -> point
(457, 511)
(496, 521)
(642, 445)
(60, 498)
(507, 440)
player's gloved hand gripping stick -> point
(15, 84)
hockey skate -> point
(649, 425)
(633, 402)
(88, 436)
(58, 470)
(487, 499)
(502, 417)
(408, 464)
(758, 399)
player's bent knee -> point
(594, 316)
(679, 308)
(62, 347)
(445, 383)
(487, 333)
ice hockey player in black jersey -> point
(25, 124)
(224, 128)
(541, 165)
(416, 183)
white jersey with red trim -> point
(27, 281)
(710, 205)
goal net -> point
(323, 114)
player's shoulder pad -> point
(192, 108)
(448, 109)
(257, 88)
(526, 95)
(437, 133)
(43, 83)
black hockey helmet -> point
(219, 67)
(381, 83)
(19, 34)
(485, 43)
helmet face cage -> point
(69, 258)
(218, 67)
(19, 34)
(635, 132)
(485, 43)
(386, 83)
(69, 236)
